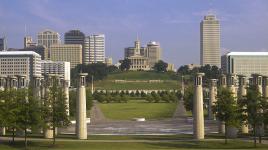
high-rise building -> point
(28, 41)
(48, 38)
(3, 44)
(61, 68)
(245, 63)
(76, 37)
(13, 63)
(86, 50)
(97, 48)
(67, 52)
(153, 53)
(40, 49)
(210, 41)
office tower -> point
(153, 53)
(3, 44)
(97, 48)
(48, 38)
(170, 67)
(28, 42)
(67, 52)
(13, 63)
(77, 37)
(61, 68)
(210, 41)
(86, 50)
(245, 63)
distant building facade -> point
(3, 44)
(147, 56)
(56, 67)
(210, 41)
(97, 48)
(28, 42)
(40, 49)
(108, 61)
(171, 67)
(153, 52)
(48, 38)
(14, 63)
(137, 59)
(77, 37)
(67, 52)
(245, 63)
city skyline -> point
(175, 24)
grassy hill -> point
(169, 81)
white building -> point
(13, 63)
(109, 61)
(245, 63)
(97, 48)
(56, 67)
(210, 41)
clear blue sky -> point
(173, 23)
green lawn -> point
(138, 108)
(170, 81)
(126, 145)
(142, 75)
(111, 85)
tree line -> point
(124, 97)
(21, 112)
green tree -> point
(255, 106)
(149, 98)
(165, 98)
(160, 66)
(9, 110)
(29, 112)
(55, 108)
(173, 98)
(188, 98)
(226, 109)
(125, 64)
(124, 98)
(157, 98)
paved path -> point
(96, 115)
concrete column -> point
(65, 84)
(2, 88)
(265, 86)
(230, 130)
(223, 84)
(212, 98)
(48, 133)
(81, 110)
(257, 81)
(198, 114)
(242, 91)
(37, 87)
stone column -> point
(65, 85)
(212, 98)
(198, 114)
(242, 91)
(231, 131)
(2, 88)
(81, 110)
(223, 84)
(257, 81)
(48, 132)
(37, 87)
(265, 86)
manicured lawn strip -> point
(142, 75)
(110, 85)
(83, 145)
(137, 109)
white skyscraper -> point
(210, 41)
(97, 48)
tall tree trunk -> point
(225, 134)
(254, 131)
(54, 136)
(260, 130)
(25, 138)
(13, 135)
